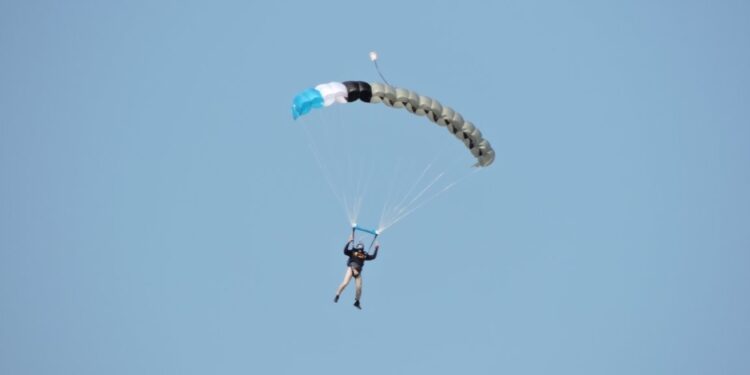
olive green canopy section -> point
(421, 105)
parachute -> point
(327, 94)
(356, 164)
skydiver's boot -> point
(356, 304)
(336, 299)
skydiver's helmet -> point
(360, 246)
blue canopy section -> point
(305, 101)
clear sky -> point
(160, 213)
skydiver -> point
(357, 257)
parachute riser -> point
(366, 230)
(372, 243)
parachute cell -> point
(305, 101)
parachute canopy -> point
(327, 94)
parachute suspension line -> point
(353, 172)
(426, 188)
(339, 197)
(358, 193)
(391, 188)
(392, 210)
(364, 180)
(400, 211)
(354, 183)
(396, 211)
(416, 183)
(351, 190)
(335, 127)
(407, 213)
(367, 179)
(413, 186)
(374, 58)
(373, 242)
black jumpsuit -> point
(357, 258)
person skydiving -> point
(357, 258)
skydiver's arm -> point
(347, 250)
(375, 254)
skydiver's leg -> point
(358, 284)
(358, 293)
(347, 278)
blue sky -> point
(160, 212)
